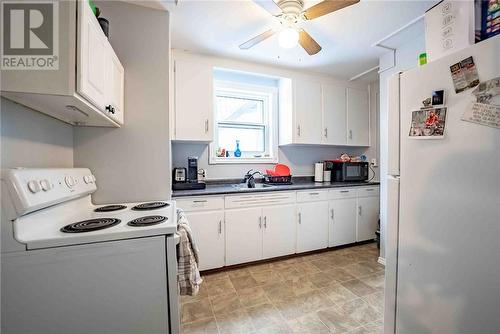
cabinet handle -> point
(350, 134)
(220, 226)
(326, 132)
(300, 218)
(200, 201)
(206, 126)
(298, 130)
(332, 213)
(314, 194)
(344, 191)
(359, 210)
(265, 222)
(260, 222)
(370, 189)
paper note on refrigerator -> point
(484, 114)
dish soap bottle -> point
(237, 152)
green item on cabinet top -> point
(93, 6)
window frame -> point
(270, 97)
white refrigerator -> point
(443, 228)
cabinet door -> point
(208, 230)
(334, 115)
(342, 222)
(193, 101)
(358, 117)
(307, 100)
(115, 85)
(243, 235)
(368, 213)
(92, 58)
(279, 230)
(312, 231)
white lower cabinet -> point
(368, 214)
(342, 222)
(312, 221)
(243, 235)
(279, 230)
(208, 228)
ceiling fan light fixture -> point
(288, 38)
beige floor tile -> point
(278, 291)
(337, 321)
(291, 307)
(300, 284)
(244, 282)
(264, 315)
(281, 264)
(359, 288)
(376, 280)
(252, 296)
(266, 276)
(227, 303)
(214, 276)
(238, 322)
(323, 264)
(196, 311)
(360, 311)
(202, 293)
(321, 279)
(338, 293)
(219, 286)
(287, 272)
(361, 269)
(259, 267)
(205, 326)
(237, 273)
(376, 300)
(314, 301)
(305, 268)
(281, 328)
(339, 275)
(306, 324)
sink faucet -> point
(249, 178)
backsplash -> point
(300, 159)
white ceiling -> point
(217, 28)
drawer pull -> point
(344, 191)
(220, 226)
(200, 201)
(300, 218)
(314, 194)
(332, 214)
(371, 189)
(260, 222)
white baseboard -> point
(381, 260)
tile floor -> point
(339, 291)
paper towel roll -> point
(318, 172)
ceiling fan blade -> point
(257, 39)
(270, 6)
(308, 43)
(326, 7)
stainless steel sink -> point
(243, 186)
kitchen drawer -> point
(368, 191)
(200, 203)
(268, 198)
(342, 193)
(312, 196)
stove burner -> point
(90, 225)
(109, 208)
(147, 221)
(150, 206)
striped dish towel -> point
(187, 258)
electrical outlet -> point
(373, 162)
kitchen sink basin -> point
(243, 186)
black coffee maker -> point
(191, 182)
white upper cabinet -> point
(334, 114)
(193, 101)
(358, 117)
(307, 98)
(87, 89)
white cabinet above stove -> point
(87, 89)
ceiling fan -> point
(291, 14)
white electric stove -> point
(69, 266)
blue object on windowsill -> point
(237, 152)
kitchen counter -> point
(302, 183)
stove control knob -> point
(93, 178)
(70, 181)
(34, 186)
(87, 179)
(46, 185)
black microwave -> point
(348, 171)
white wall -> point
(33, 139)
(406, 58)
(132, 163)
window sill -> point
(232, 160)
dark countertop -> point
(302, 183)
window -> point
(245, 114)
